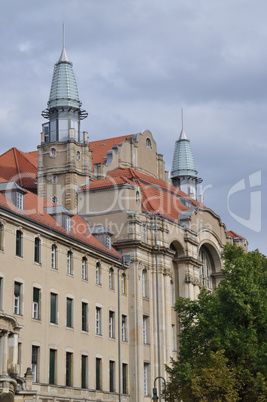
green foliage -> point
(223, 349)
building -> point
(96, 244)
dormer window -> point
(68, 223)
(19, 201)
(108, 242)
(148, 143)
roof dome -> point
(183, 160)
(64, 90)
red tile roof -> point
(235, 235)
(34, 209)
(158, 197)
(101, 147)
(20, 167)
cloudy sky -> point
(137, 63)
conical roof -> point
(64, 90)
(183, 160)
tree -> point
(223, 349)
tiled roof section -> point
(235, 235)
(158, 197)
(34, 210)
(100, 148)
(20, 167)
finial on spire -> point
(63, 56)
(182, 117)
(182, 134)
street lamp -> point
(155, 395)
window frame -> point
(124, 328)
(35, 363)
(111, 278)
(37, 250)
(98, 321)
(69, 370)
(36, 303)
(53, 308)
(85, 318)
(18, 307)
(19, 243)
(54, 253)
(84, 269)
(69, 312)
(69, 263)
(111, 324)
(52, 366)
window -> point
(37, 250)
(206, 268)
(36, 304)
(17, 298)
(35, 363)
(19, 243)
(111, 376)
(53, 308)
(172, 291)
(84, 316)
(69, 320)
(137, 197)
(54, 179)
(52, 366)
(148, 143)
(1, 236)
(55, 199)
(145, 329)
(98, 323)
(112, 324)
(69, 263)
(68, 369)
(111, 278)
(78, 155)
(124, 378)
(1, 293)
(68, 223)
(108, 242)
(124, 328)
(123, 284)
(98, 273)
(146, 379)
(84, 373)
(144, 283)
(54, 256)
(173, 338)
(98, 374)
(53, 152)
(19, 200)
(84, 269)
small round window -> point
(53, 152)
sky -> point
(137, 64)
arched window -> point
(206, 268)
(69, 263)
(54, 256)
(1, 236)
(98, 273)
(148, 143)
(19, 238)
(144, 283)
(84, 269)
(111, 278)
(123, 283)
(37, 250)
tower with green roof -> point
(64, 159)
(184, 173)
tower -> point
(64, 159)
(184, 173)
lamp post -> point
(155, 395)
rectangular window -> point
(124, 378)
(37, 250)
(69, 263)
(98, 374)
(98, 324)
(53, 308)
(144, 283)
(124, 328)
(112, 324)
(1, 293)
(35, 363)
(98, 274)
(145, 329)
(52, 366)
(85, 317)
(84, 269)
(36, 304)
(111, 376)
(84, 373)
(146, 379)
(123, 284)
(19, 201)
(68, 369)
(19, 243)
(17, 298)
(54, 257)
(69, 320)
